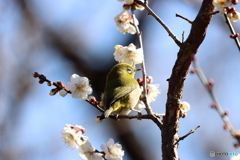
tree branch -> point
(216, 105)
(145, 100)
(185, 56)
(185, 136)
(232, 30)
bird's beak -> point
(137, 70)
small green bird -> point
(122, 91)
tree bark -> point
(186, 53)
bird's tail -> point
(108, 112)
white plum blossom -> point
(87, 152)
(124, 22)
(234, 16)
(152, 92)
(129, 1)
(221, 3)
(139, 106)
(134, 5)
(63, 93)
(79, 86)
(72, 135)
(235, 157)
(140, 7)
(113, 151)
(184, 106)
(128, 54)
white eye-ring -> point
(129, 70)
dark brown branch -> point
(139, 117)
(183, 137)
(189, 21)
(185, 56)
(212, 13)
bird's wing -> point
(118, 93)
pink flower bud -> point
(53, 91)
(227, 127)
(59, 83)
(35, 74)
(50, 83)
(149, 79)
(140, 81)
(210, 84)
(234, 2)
(214, 105)
(226, 113)
(233, 36)
(236, 145)
(41, 81)
(41, 76)
(194, 70)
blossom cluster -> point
(125, 22)
(128, 54)
(74, 138)
(78, 86)
(183, 108)
(223, 6)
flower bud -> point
(59, 83)
(214, 105)
(53, 91)
(149, 79)
(210, 84)
(194, 70)
(41, 81)
(227, 127)
(63, 93)
(50, 83)
(98, 120)
(234, 2)
(226, 113)
(126, 6)
(140, 81)
(35, 74)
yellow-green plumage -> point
(122, 91)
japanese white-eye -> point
(122, 91)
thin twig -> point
(212, 13)
(150, 12)
(139, 117)
(232, 31)
(183, 137)
(189, 21)
(59, 87)
(147, 116)
(183, 36)
(216, 105)
(148, 108)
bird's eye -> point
(129, 70)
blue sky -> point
(43, 117)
